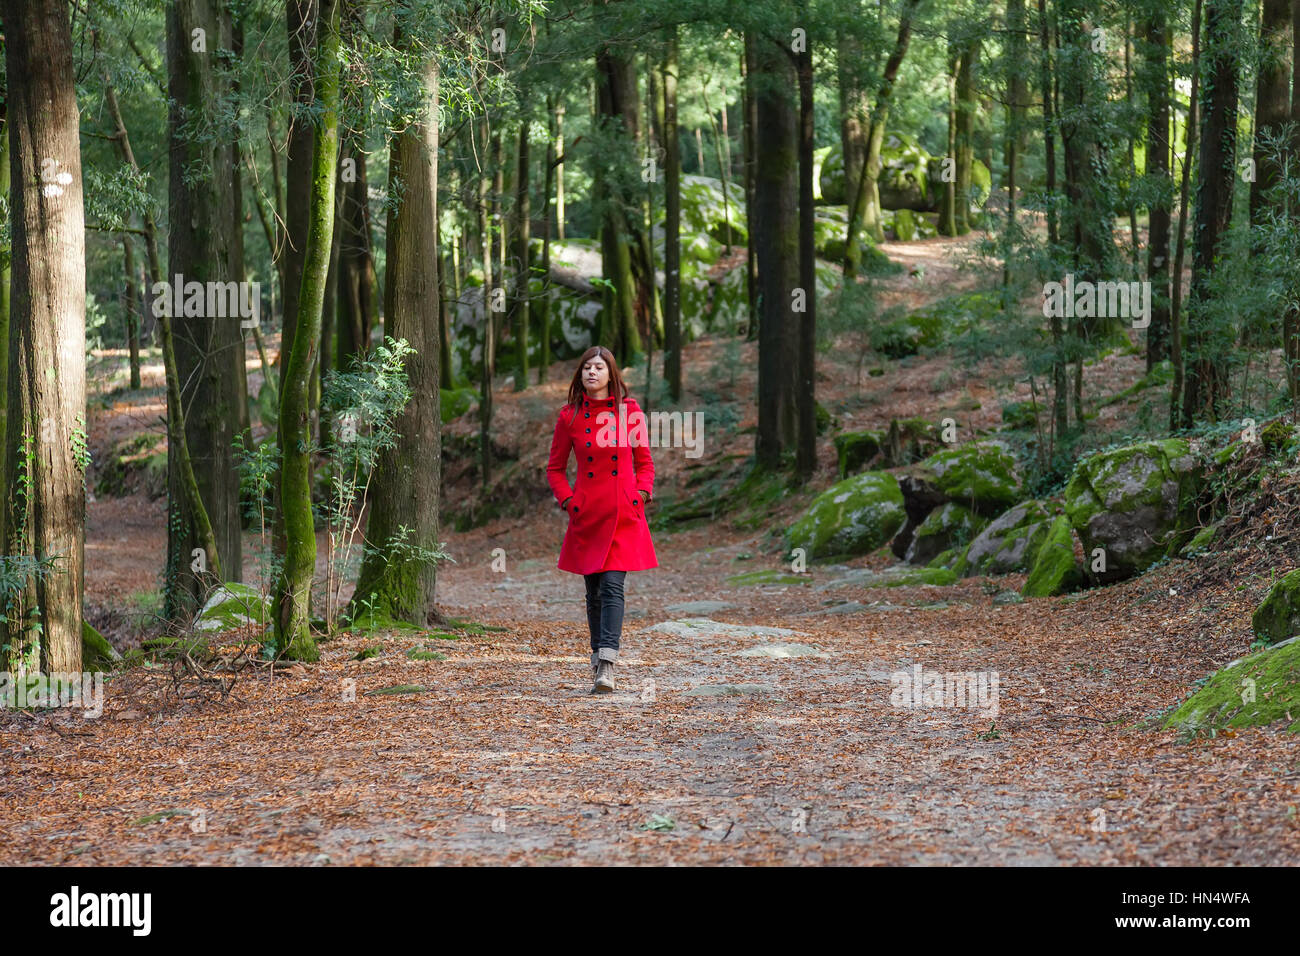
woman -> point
(607, 534)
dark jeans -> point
(605, 608)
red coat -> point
(607, 524)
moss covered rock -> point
(944, 529)
(1255, 691)
(855, 516)
(979, 474)
(857, 449)
(1137, 503)
(1278, 618)
(1055, 570)
(233, 606)
(1010, 543)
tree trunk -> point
(357, 279)
(293, 589)
(1017, 98)
(620, 240)
(301, 18)
(965, 130)
(1208, 343)
(947, 224)
(1272, 103)
(1060, 389)
(751, 246)
(203, 246)
(672, 222)
(777, 241)
(178, 452)
(864, 213)
(45, 426)
(521, 313)
(130, 304)
(408, 482)
(1154, 79)
(805, 391)
(1176, 358)
(487, 352)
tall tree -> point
(777, 240)
(293, 589)
(408, 482)
(1154, 80)
(45, 423)
(805, 389)
(204, 246)
(1208, 342)
(864, 213)
(672, 221)
(1272, 98)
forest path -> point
(503, 756)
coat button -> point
(586, 414)
(589, 458)
(590, 475)
(588, 443)
(613, 457)
(588, 432)
(614, 472)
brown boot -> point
(604, 677)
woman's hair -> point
(617, 387)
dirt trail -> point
(505, 757)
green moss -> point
(366, 653)
(96, 653)
(855, 516)
(397, 689)
(981, 475)
(1054, 570)
(232, 606)
(1011, 542)
(1256, 691)
(945, 528)
(1137, 503)
(856, 449)
(766, 577)
(1278, 618)
(422, 654)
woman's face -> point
(595, 374)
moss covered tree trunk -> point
(293, 589)
(356, 291)
(45, 424)
(203, 246)
(864, 212)
(178, 453)
(965, 130)
(408, 482)
(131, 306)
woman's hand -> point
(645, 495)
(565, 503)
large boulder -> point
(944, 529)
(1010, 543)
(979, 474)
(703, 209)
(1055, 569)
(233, 606)
(1278, 618)
(1137, 503)
(855, 516)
